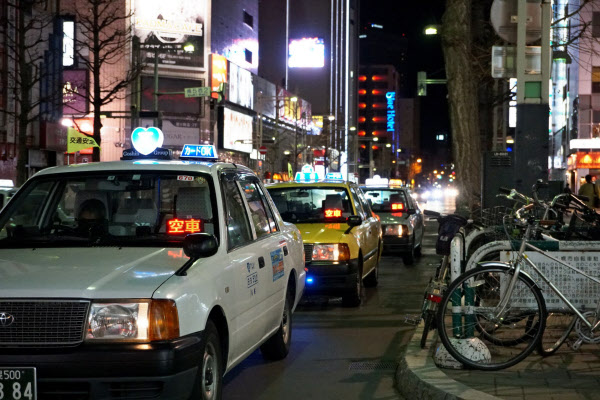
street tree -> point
(103, 43)
(25, 30)
(462, 100)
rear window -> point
(386, 200)
(312, 204)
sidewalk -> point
(567, 374)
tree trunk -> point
(97, 100)
(463, 101)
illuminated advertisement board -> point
(74, 92)
(391, 111)
(241, 90)
(237, 131)
(172, 29)
(306, 53)
(218, 72)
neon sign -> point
(391, 111)
(333, 213)
(177, 226)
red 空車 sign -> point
(178, 226)
(333, 213)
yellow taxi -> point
(342, 237)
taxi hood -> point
(89, 272)
(322, 233)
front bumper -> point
(331, 278)
(396, 244)
(165, 370)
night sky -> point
(424, 54)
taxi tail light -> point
(397, 206)
(164, 320)
(333, 213)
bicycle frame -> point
(516, 265)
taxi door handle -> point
(261, 262)
(285, 251)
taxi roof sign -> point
(334, 176)
(196, 151)
(306, 177)
(377, 181)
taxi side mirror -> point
(200, 245)
(354, 220)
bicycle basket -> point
(449, 226)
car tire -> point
(373, 278)
(408, 258)
(418, 249)
(354, 297)
(209, 382)
(277, 346)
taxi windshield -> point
(386, 200)
(138, 209)
(312, 204)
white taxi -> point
(142, 278)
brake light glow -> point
(397, 206)
(333, 213)
(434, 298)
(178, 226)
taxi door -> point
(244, 260)
(370, 238)
(271, 249)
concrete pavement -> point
(567, 374)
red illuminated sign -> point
(397, 206)
(218, 73)
(333, 213)
(180, 226)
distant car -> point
(145, 278)
(402, 220)
(342, 237)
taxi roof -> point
(142, 165)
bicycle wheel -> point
(429, 317)
(468, 317)
(559, 325)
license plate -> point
(17, 383)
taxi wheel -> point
(354, 298)
(278, 345)
(209, 382)
(409, 257)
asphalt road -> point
(345, 353)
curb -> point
(418, 377)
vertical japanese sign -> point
(218, 72)
(175, 30)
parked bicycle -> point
(494, 315)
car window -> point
(357, 204)
(387, 200)
(238, 227)
(318, 204)
(365, 203)
(139, 208)
(270, 213)
(261, 217)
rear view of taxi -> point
(144, 278)
(342, 237)
(400, 215)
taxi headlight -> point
(144, 321)
(395, 230)
(331, 252)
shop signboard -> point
(175, 30)
(218, 72)
(237, 131)
(590, 160)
